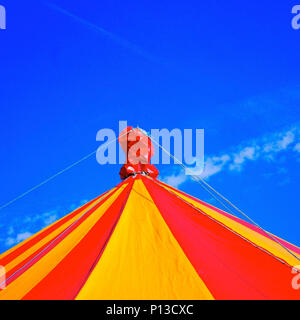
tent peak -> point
(139, 150)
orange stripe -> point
(287, 244)
(24, 283)
(231, 266)
(142, 259)
(72, 272)
(46, 240)
(255, 237)
(17, 250)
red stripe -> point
(231, 267)
(245, 223)
(11, 256)
(66, 279)
(27, 263)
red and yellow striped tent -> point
(146, 240)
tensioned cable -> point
(199, 179)
(60, 172)
(223, 225)
(53, 241)
(194, 177)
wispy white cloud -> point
(297, 147)
(10, 230)
(43, 219)
(243, 155)
(74, 206)
(280, 142)
(175, 180)
(26, 227)
(214, 165)
(22, 228)
(266, 148)
(10, 241)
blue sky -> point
(69, 69)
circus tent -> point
(144, 239)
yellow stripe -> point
(143, 259)
(48, 238)
(23, 284)
(6, 253)
(214, 208)
(253, 236)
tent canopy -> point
(146, 240)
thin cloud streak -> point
(115, 38)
